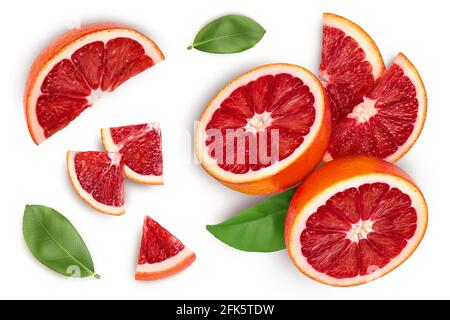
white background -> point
(175, 93)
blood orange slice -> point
(75, 68)
(141, 149)
(375, 112)
(265, 130)
(161, 254)
(354, 220)
(388, 121)
(98, 178)
(351, 62)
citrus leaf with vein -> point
(55, 242)
(228, 34)
(256, 229)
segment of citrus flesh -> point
(350, 64)
(161, 253)
(261, 122)
(389, 119)
(99, 179)
(141, 149)
(360, 233)
(374, 113)
(70, 83)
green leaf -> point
(55, 242)
(256, 229)
(228, 34)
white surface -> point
(174, 93)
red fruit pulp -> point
(372, 117)
(95, 66)
(101, 176)
(157, 243)
(346, 74)
(273, 111)
(358, 231)
(141, 148)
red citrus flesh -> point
(73, 70)
(282, 101)
(141, 149)
(161, 253)
(391, 111)
(374, 113)
(265, 130)
(68, 85)
(347, 75)
(98, 178)
(359, 230)
(354, 220)
(157, 244)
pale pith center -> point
(259, 122)
(95, 96)
(115, 159)
(364, 111)
(360, 230)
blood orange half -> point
(75, 68)
(141, 149)
(161, 254)
(266, 130)
(354, 220)
(98, 178)
(375, 112)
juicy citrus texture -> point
(157, 243)
(374, 113)
(257, 135)
(278, 102)
(354, 220)
(68, 85)
(382, 124)
(98, 178)
(161, 253)
(350, 64)
(347, 75)
(68, 76)
(359, 229)
(141, 149)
